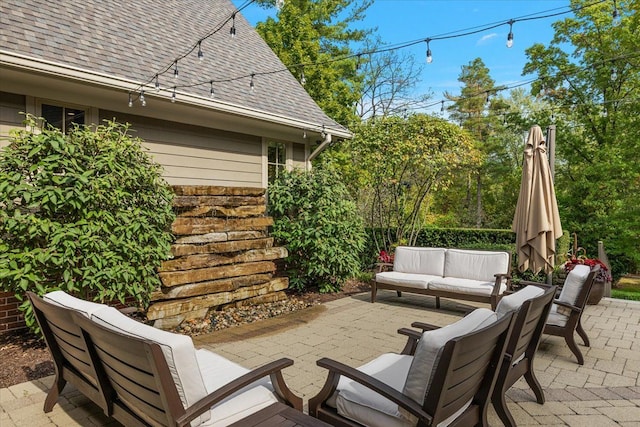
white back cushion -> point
(419, 260)
(430, 347)
(477, 265)
(514, 301)
(63, 299)
(573, 283)
(178, 351)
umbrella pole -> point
(551, 149)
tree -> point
(317, 33)
(86, 212)
(596, 86)
(393, 164)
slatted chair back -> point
(71, 360)
(133, 375)
(467, 370)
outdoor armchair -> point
(442, 377)
(565, 315)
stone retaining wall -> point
(222, 255)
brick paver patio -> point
(603, 392)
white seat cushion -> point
(410, 280)
(555, 318)
(419, 260)
(514, 301)
(63, 299)
(216, 372)
(430, 348)
(178, 351)
(464, 286)
(476, 265)
(573, 284)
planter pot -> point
(596, 294)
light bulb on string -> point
(200, 53)
(279, 4)
(429, 56)
(614, 75)
(303, 79)
(358, 62)
(488, 99)
(442, 106)
(510, 36)
(143, 101)
(130, 100)
(252, 86)
(175, 69)
(173, 95)
(211, 91)
(615, 14)
(232, 30)
(157, 83)
(304, 134)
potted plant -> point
(603, 276)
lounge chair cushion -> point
(556, 317)
(63, 299)
(410, 280)
(430, 347)
(419, 260)
(464, 286)
(476, 265)
(218, 371)
(514, 301)
(178, 350)
(573, 284)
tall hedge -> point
(86, 212)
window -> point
(276, 159)
(62, 117)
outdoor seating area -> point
(605, 390)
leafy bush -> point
(87, 212)
(320, 227)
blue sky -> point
(399, 21)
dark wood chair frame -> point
(492, 298)
(133, 383)
(467, 370)
(574, 320)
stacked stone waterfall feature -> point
(222, 255)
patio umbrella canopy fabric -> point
(536, 221)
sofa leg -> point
(374, 291)
(437, 302)
(52, 396)
(399, 293)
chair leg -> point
(437, 302)
(582, 333)
(500, 405)
(52, 396)
(399, 293)
(531, 379)
(574, 348)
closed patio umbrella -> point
(536, 221)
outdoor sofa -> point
(141, 375)
(472, 275)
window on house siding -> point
(62, 118)
(276, 159)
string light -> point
(173, 95)
(232, 31)
(143, 101)
(358, 62)
(304, 134)
(429, 56)
(303, 79)
(130, 100)
(442, 106)
(510, 36)
(279, 4)
(487, 99)
(200, 54)
(252, 86)
(211, 91)
(615, 15)
(614, 74)
(157, 83)
(175, 69)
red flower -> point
(604, 275)
(385, 257)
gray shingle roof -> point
(136, 39)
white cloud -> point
(485, 39)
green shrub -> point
(319, 225)
(87, 212)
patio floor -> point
(603, 392)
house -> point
(83, 62)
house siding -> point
(299, 156)
(11, 105)
(195, 155)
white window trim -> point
(265, 158)
(91, 114)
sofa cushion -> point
(431, 345)
(464, 286)
(410, 280)
(419, 260)
(216, 372)
(63, 299)
(475, 265)
(178, 351)
(573, 284)
(514, 301)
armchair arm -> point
(383, 266)
(337, 369)
(567, 305)
(530, 283)
(273, 369)
(499, 277)
(412, 340)
(424, 326)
